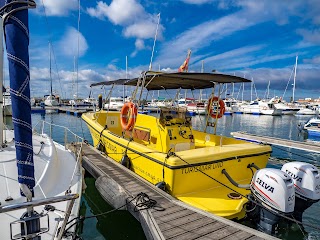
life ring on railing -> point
(128, 116)
(214, 113)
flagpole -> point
(154, 42)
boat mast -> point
(251, 89)
(50, 69)
(294, 78)
(78, 51)
(154, 42)
(1, 83)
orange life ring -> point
(212, 112)
(127, 122)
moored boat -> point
(114, 103)
(193, 166)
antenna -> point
(154, 43)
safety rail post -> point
(65, 138)
(42, 127)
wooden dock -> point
(169, 218)
(310, 147)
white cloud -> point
(310, 36)
(119, 12)
(131, 15)
(142, 30)
(314, 60)
(69, 43)
(57, 7)
(139, 44)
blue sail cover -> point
(17, 43)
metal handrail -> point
(34, 203)
(66, 130)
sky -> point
(107, 40)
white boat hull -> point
(54, 168)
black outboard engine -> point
(274, 191)
(306, 181)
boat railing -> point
(71, 141)
(44, 127)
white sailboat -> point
(40, 180)
(50, 100)
(289, 108)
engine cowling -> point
(274, 188)
(306, 179)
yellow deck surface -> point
(217, 202)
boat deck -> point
(169, 218)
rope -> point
(143, 202)
(41, 147)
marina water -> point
(121, 225)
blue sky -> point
(255, 39)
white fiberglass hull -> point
(55, 170)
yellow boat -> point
(208, 171)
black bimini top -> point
(184, 80)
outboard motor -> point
(306, 181)
(274, 191)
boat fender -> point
(125, 161)
(161, 185)
(127, 122)
(213, 113)
(101, 147)
(100, 101)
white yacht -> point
(90, 101)
(308, 110)
(250, 108)
(114, 103)
(268, 108)
(287, 108)
(51, 101)
(194, 107)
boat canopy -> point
(184, 80)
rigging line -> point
(53, 52)
(288, 82)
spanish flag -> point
(184, 66)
